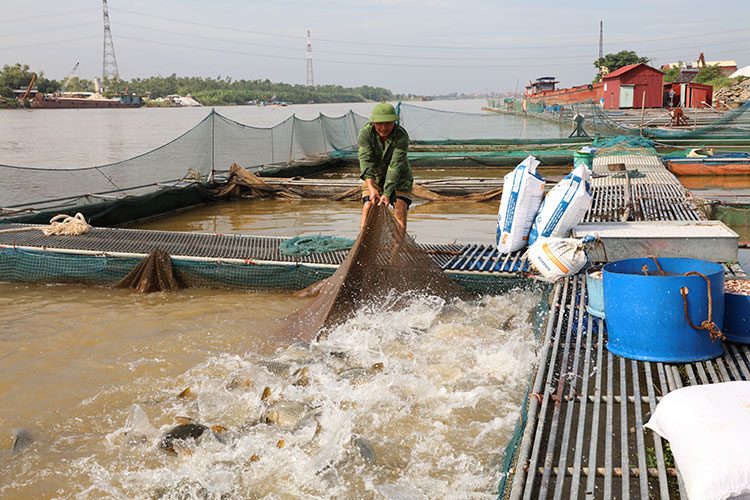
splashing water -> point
(430, 422)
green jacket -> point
(386, 164)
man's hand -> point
(383, 200)
(374, 195)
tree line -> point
(208, 91)
(708, 75)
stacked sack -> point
(522, 221)
(523, 190)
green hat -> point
(383, 112)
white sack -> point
(564, 207)
(707, 430)
(523, 189)
(555, 258)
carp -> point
(20, 440)
(287, 414)
(360, 376)
(176, 439)
(365, 449)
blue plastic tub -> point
(595, 289)
(737, 318)
(646, 314)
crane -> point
(28, 89)
(68, 79)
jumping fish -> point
(365, 449)
(286, 414)
(20, 440)
(175, 438)
(278, 368)
(360, 376)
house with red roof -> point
(633, 86)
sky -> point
(423, 47)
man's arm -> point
(397, 169)
(367, 163)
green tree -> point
(708, 73)
(14, 77)
(671, 74)
(616, 61)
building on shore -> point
(633, 86)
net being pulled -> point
(384, 263)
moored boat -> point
(719, 164)
(76, 101)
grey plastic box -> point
(705, 240)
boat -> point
(83, 100)
(543, 92)
(722, 163)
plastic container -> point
(737, 318)
(595, 289)
(582, 157)
(646, 314)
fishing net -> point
(153, 274)
(383, 265)
(206, 150)
(732, 124)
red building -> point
(633, 86)
(688, 95)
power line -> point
(25, 33)
(394, 56)
(404, 45)
(52, 42)
(44, 15)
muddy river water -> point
(96, 374)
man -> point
(383, 164)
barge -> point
(78, 101)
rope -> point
(707, 325)
(69, 226)
(645, 267)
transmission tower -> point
(109, 61)
(310, 79)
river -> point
(95, 374)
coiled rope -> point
(708, 324)
(59, 225)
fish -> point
(20, 440)
(360, 376)
(181, 433)
(187, 393)
(365, 449)
(286, 414)
(266, 396)
(302, 377)
(174, 440)
(509, 323)
(278, 368)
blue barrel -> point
(737, 318)
(646, 314)
(595, 289)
